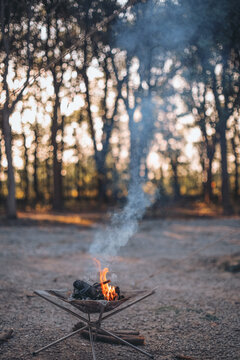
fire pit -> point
(89, 299)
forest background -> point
(87, 102)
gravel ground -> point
(194, 313)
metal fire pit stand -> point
(90, 325)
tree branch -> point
(19, 96)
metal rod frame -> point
(90, 325)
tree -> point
(16, 52)
(25, 167)
(97, 48)
(214, 46)
(150, 66)
(60, 35)
(1, 170)
(235, 142)
(196, 98)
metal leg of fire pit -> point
(96, 325)
(59, 340)
(91, 339)
(39, 293)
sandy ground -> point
(195, 312)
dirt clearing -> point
(195, 313)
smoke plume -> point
(123, 224)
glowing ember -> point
(109, 291)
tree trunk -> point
(77, 179)
(236, 180)
(11, 200)
(77, 169)
(57, 177)
(211, 147)
(135, 158)
(100, 166)
(1, 170)
(227, 208)
(25, 171)
(208, 189)
(204, 182)
(223, 116)
(48, 179)
(162, 191)
(176, 187)
(35, 166)
(102, 189)
(57, 147)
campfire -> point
(98, 291)
(99, 298)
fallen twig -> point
(6, 335)
(183, 357)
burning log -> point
(98, 291)
(83, 291)
(99, 284)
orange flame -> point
(108, 291)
